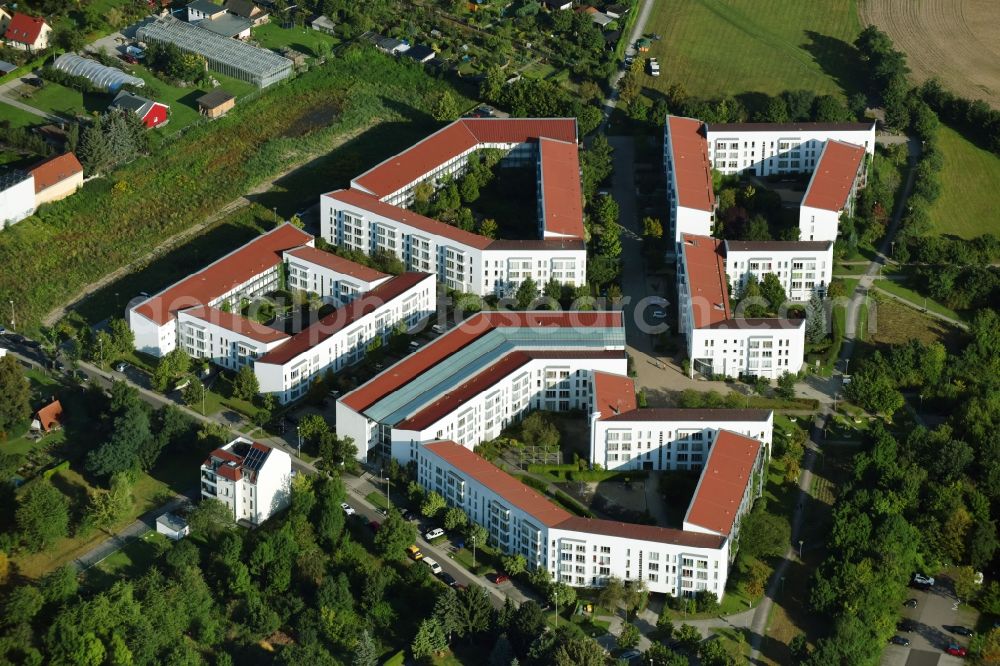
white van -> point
(435, 567)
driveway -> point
(936, 609)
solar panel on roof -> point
(255, 459)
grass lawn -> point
(18, 117)
(304, 40)
(727, 47)
(918, 300)
(69, 102)
(898, 323)
(131, 562)
(968, 180)
(377, 499)
(849, 270)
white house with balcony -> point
(252, 479)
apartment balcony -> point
(208, 490)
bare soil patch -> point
(958, 41)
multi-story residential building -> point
(719, 343)
(371, 216)
(226, 339)
(765, 149)
(664, 438)
(342, 337)
(689, 178)
(253, 480)
(335, 279)
(586, 552)
(479, 377)
(802, 267)
(842, 169)
(249, 271)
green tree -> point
(564, 595)
(578, 650)
(22, 605)
(211, 518)
(445, 108)
(816, 327)
(652, 227)
(469, 189)
(629, 637)
(312, 427)
(612, 594)
(394, 536)
(660, 655)
(489, 228)
(492, 86)
(194, 393)
(433, 504)
(752, 302)
(526, 293)
(366, 651)
(108, 507)
(786, 386)
(128, 445)
(42, 515)
(502, 652)
(447, 612)
(773, 292)
(429, 641)
(688, 637)
(60, 584)
(475, 610)
(873, 388)
(122, 338)
(455, 518)
(15, 392)
(536, 430)
(245, 385)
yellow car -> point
(414, 552)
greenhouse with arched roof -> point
(102, 76)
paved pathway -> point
(6, 97)
(638, 29)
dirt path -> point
(179, 238)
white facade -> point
(757, 347)
(253, 480)
(333, 286)
(211, 335)
(803, 267)
(670, 439)
(818, 223)
(689, 179)
(556, 385)
(764, 149)
(17, 197)
(342, 337)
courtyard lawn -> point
(19, 117)
(304, 40)
(69, 102)
(968, 179)
(727, 47)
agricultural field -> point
(727, 47)
(958, 41)
(968, 179)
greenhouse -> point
(226, 56)
(102, 76)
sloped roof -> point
(613, 394)
(215, 98)
(691, 167)
(724, 480)
(55, 170)
(562, 195)
(706, 273)
(834, 176)
(50, 415)
(336, 264)
(24, 29)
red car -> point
(956, 650)
(497, 578)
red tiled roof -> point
(465, 333)
(706, 273)
(690, 164)
(55, 170)
(562, 197)
(523, 497)
(613, 394)
(229, 472)
(682, 414)
(24, 29)
(641, 532)
(50, 415)
(336, 264)
(426, 224)
(834, 176)
(227, 273)
(521, 130)
(225, 455)
(237, 324)
(723, 482)
(452, 400)
(343, 317)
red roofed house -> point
(372, 216)
(56, 178)
(48, 418)
(152, 114)
(252, 479)
(27, 33)
(841, 170)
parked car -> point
(630, 655)
(497, 578)
(129, 58)
(348, 509)
(435, 533)
(414, 553)
(961, 631)
(435, 567)
(899, 640)
(437, 329)
(374, 526)
(907, 626)
(956, 650)
(920, 579)
(447, 579)
(414, 346)
(910, 603)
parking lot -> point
(936, 608)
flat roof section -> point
(343, 317)
(237, 324)
(836, 171)
(707, 416)
(613, 394)
(562, 196)
(707, 285)
(789, 127)
(691, 167)
(223, 275)
(523, 497)
(336, 264)
(472, 329)
(723, 482)
(777, 246)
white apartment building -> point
(227, 340)
(17, 197)
(802, 267)
(336, 280)
(842, 169)
(719, 343)
(342, 337)
(689, 178)
(585, 552)
(253, 480)
(480, 376)
(371, 215)
(247, 272)
(764, 149)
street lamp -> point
(801, 541)
(555, 602)
(298, 431)
(473, 540)
(13, 321)
(382, 475)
